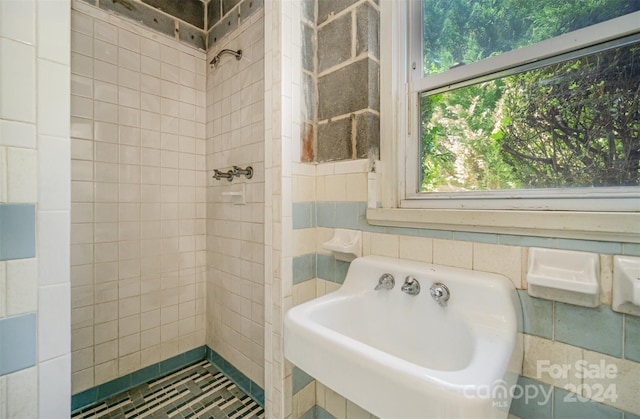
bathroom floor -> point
(197, 391)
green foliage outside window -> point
(571, 124)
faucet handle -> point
(386, 281)
(440, 293)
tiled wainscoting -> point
(333, 196)
(34, 209)
(122, 384)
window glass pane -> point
(457, 32)
(571, 124)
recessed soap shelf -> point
(626, 284)
(564, 275)
(346, 245)
(235, 194)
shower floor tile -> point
(197, 391)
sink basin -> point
(404, 356)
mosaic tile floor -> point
(197, 391)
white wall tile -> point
(22, 394)
(105, 31)
(453, 253)
(81, 64)
(21, 286)
(17, 20)
(81, 43)
(505, 260)
(54, 94)
(54, 182)
(81, 22)
(17, 134)
(416, 248)
(17, 81)
(54, 21)
(55, 388)
(53, 247)
(54, 318)
(22, 175)
(3, 174)
(128, 40)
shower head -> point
(214, 63)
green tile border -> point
(338, 214)
(17, 231)
(569, 405)
(304, 268)
(534, 406)
(242, 381)
(316, 412)
(598, 329)
(102, 392)
(300, 379)
(17, 342)
(537, 315)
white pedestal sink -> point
(404, 356)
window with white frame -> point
(520, 99)
(515, 104)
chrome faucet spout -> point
(411, 286)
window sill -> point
(601, 226)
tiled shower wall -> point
(334, 195)
(34, 209)
(235, 232)
(138, 197)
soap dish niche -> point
(626, 285)
(565, 276)
(346, 245)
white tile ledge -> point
(601, 226)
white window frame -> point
(611, 214)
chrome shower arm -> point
(216, 60)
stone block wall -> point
(341, 80)
(309, 80)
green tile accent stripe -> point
(119, 385)
(537, 404)
(300, 379)
(632, 338)
(330, 269)
(17, 231)
(242, 381)
(304, 268)
(316, 412)
(537, 315)
(568, 405)
(341, 215)
(597, 329)
(304, 215)
(17, 343)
